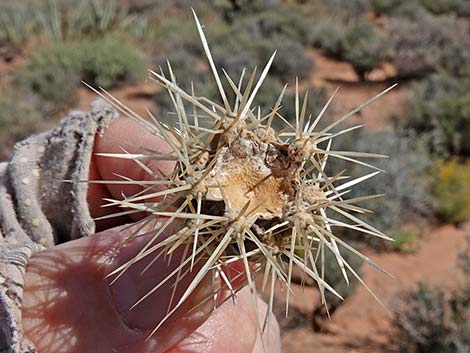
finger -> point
(233, 328)
(70, 306)
(96, 194)
(270, 340)
(121, 135)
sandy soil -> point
(331, 74)
(362, 325)
(8, 69)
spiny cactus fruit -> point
(244, 192)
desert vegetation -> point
(429, 320)
(48, 47)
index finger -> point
(121, 136)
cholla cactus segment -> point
(245, 192)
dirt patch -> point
(139, 98)
(9, 68)
(330, 74)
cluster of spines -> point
(205, 237)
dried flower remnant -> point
(244, 192)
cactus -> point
(246, 193)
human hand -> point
(70, 306)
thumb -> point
(70, 305)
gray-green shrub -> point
(405, 183)
(54, 72)
(428, 321)
(440, 106)
(365, 48)
(172, 34)
(411, 9)
(253, 39)
(291, 59)
(350, 9)
(61, 20)
(459, 7)
(111, 61)
(66, 20)
(421, 324)
(234, 9)
(328, 35)
(425, 45)
(17, 24)
(286, 22)
(18, 118)
(359, 43)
